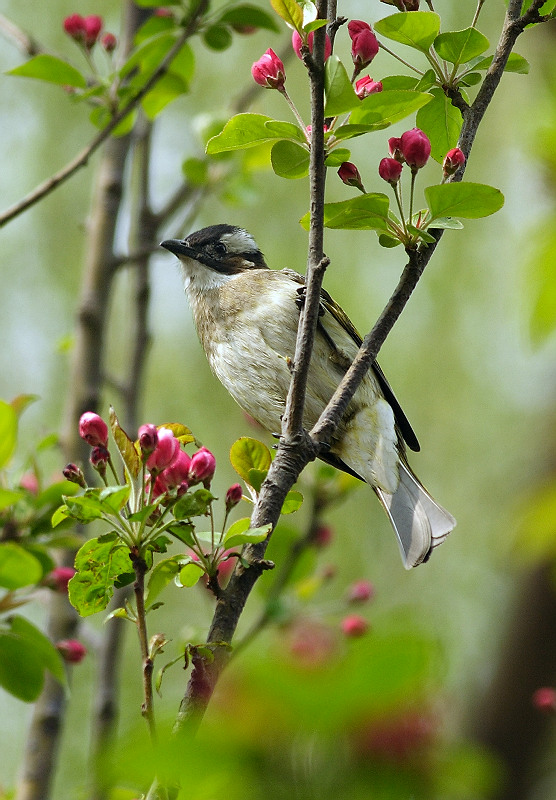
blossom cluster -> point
(86, 31)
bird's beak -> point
(178, 248)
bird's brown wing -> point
(342, 318)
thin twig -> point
(27, 44)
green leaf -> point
(167, 89)
(128, 451)
(247, 454)
(387, 241)
(9, 496)
(98, 565)
(45, 67)
(8, 432)
(164, 572)
(250, 536)
(401, 82)
(114, 498)
(20, 403)
(314, 25)
(350, 131)
(239, 526)
(60, 515)
(384, 108)
(249, 16)
(256, 477)
(416, 29)
(541, 278)
(290, 11)
(18, 567)
(181, 432)
(447, 222)
(248, 130)
(340, 95)
(292, 502)
(217, 37)
(190, 573)
(47, 655)
(193, 504)
(289, 160)
(337, 157)
(85, 508)
(458, 47)
(441, 121)
(286, 130)
(24, 654)
(365, 212)
(195, 171)
(515, 63)
(468, 200)
(182, 531)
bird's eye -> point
(220, 249)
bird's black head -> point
(223, 248)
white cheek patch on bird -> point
(247, 316)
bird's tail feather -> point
(419, 522)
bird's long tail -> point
(419, 522)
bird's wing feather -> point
(342, 318)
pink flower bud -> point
(71, 472)
(176, 475)
(395, 148)
(453, 160)
(349, 174)
(109, 42)
(71, 650)
(269, 71)
(99, 459)
(148, 438)
(163, 12)
(322, 536)
(364, 44)
(390, 170)
(30, 482)
(74, 26)
(544, 699)
(165, 453)
(59, 578)
(360, 592)
(297, 42)
(366, 86)
(415, 147)
(233, 496)
(202, 467)
(93, 429)
(354, 625)
(93, 26)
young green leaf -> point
(25, 653)
(98, 565)
(290, 11)
(416, 29)
(441, 121)
(18, 567)
(515, 63)
(247, 454)
(337, 157)
(292, 502)
(167, 89)
(249, 16)
(250, 536)
(289, 160)
(340, 95)
(255, 478)
(459, 47)
(48, 68)
(241, 131)
(218, 37)
(193, 504)
(128, 451)
(468, 200)
(164, 572)
(8, 432)
(9, 496)
(190, 573)
(286, 130)
(114, 498)
(181, 432)
(384, 108)
(365, 212)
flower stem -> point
(296, 113)
(147, 707)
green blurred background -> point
(476, 387)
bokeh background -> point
(466, 361)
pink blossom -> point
(415, 147)
(366, 86)
(453, 160)
(354, 625)
(93, 26)
(364, 44)
(71, 650)
(176, 475)
(269, 71)
(148, 438)
(108, 42)
(349, 174)
(360, 591)
(59, 578)
(297, 42)
(233, 495)
(390, 170)
(74, 26)
(202, 467)
(166, 452)
(93, 429)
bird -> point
(246, 316)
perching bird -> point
(246, 317)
